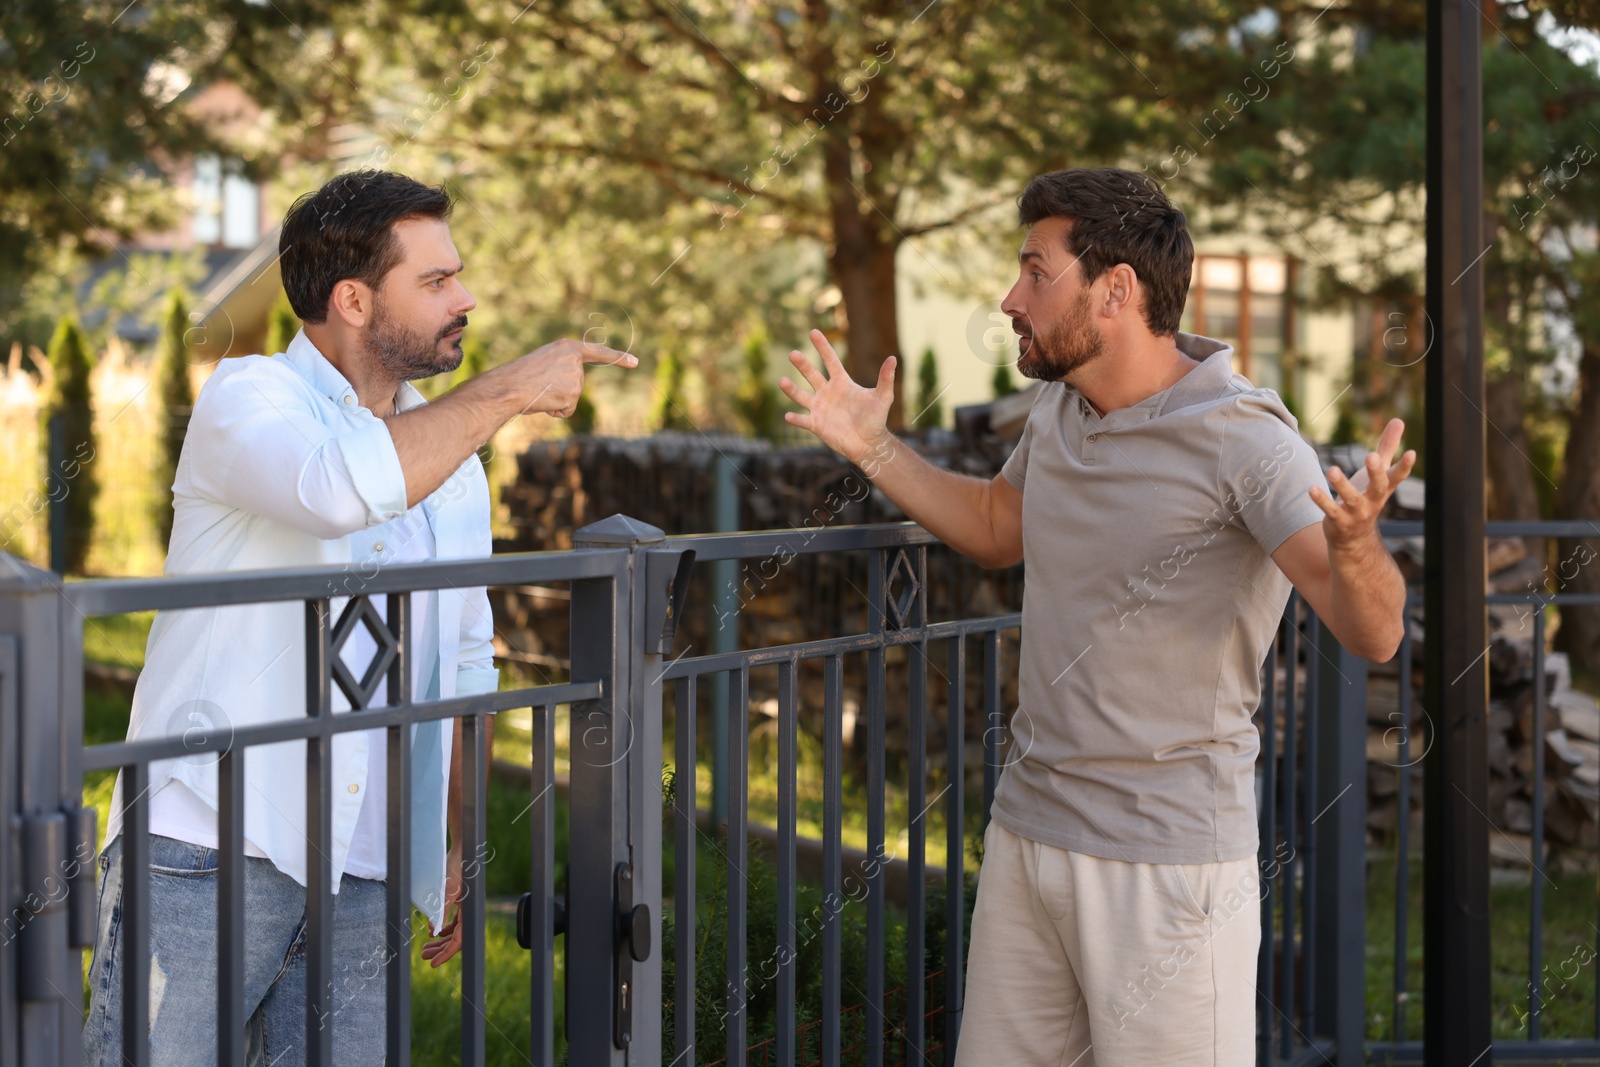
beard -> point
(1063, 347)
(409, 354)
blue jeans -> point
(183, 963)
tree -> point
(72, 483)
(669, 410)
(1002, 384)
(282, 325)
(93, 97)
(1352, 173)
(177, 398)
(846, 128)
(757, 399)
(930, 412)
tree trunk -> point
(1512, 495)
(1578, 570)
(862, 262)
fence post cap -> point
(617, 530)
(18, 575)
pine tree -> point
(177, 398)
(73, 480)
(757, 400)
(930, 412)
(669, 412)
(1002, 383)
(281, 325)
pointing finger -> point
(593, 353)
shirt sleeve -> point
(255, 443)
(1267, 471)
(1015, 469)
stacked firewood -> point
(1571, 723)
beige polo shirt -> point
(1150, 604)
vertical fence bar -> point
(1290, 782)
(788, 726)
(955, 902)
(1536, 905)
(319, 841)
(683, 872)
(230, 909)
(832, 833)
(916, 843)
(1336, 840)
(1266, 1018)
(876, 706)
(473, 853)
(1311, 807)
(136, 915)
(1402, 888)
(737, 844)
(993, 728)
(397, 856)
(542, 829)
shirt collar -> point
(309, 362)
(1201, 383)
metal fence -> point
(628, 585)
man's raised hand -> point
(1353, 516)
(552, 375)
(851, 419)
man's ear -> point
(351, 301)
(1121, 290)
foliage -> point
(72, 481)
(282, 325)
(177, 397)
(757, 399)
(93, 97)
(1002, 384)
(670, 409)
(929, 409)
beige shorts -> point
(1078, 961)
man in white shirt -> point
(320, 455)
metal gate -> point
(628, 586)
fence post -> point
(613, 997)
(1339, 826)
(41, 735)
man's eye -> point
(438, 283)
(1036, 276)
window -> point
(1243, 301)
(227, 205)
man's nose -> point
(466, 303)
(1011, 305)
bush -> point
(930, 412)
(757, 400)
(281, 326)
(1001, 383)
(71, 479)
(177, 398)
(669, 411)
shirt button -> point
(378, 546)
(1094, 437)
(348, 399)
(354, 788)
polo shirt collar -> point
(309, 362)
(1204, 382)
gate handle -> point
(636, 928)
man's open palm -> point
(849, 418)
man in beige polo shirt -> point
(1164, 505)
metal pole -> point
(1456, 838)
(725, 628)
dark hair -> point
(346, 230)
(1120, 216)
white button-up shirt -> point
(283, 467)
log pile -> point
(1571, 725)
